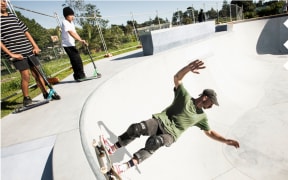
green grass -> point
(60, 68)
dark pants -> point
(76, 62)
(25, 63)
(158, 137)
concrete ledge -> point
(224, 27)
(164, 39)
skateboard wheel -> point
(103, 169)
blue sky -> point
(117, 12)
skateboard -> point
(104, 160)
(30, 106)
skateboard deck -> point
(104, 160)
(34, 104)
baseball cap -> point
(212, 95)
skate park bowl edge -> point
(244, 66)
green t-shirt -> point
(182, 114)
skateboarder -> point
(18, 44)
(166, 127)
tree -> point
(114, 37)
(177, 18)
(158, 20)
(76, 5)
(212, 14)
(248, 7)
(224, 12)
(129, 28)
(186, 18)
(270, 8)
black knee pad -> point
(136, 130)
(133, 131)
(153, 143)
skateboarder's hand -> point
(196, 65)
(36, 50)
(84, 42)
(232, 143)
(16, 57)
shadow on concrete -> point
(73, 81)
(273, 37)
(135, 55)
(48, 170)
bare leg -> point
(25, 77)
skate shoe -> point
(119, 168)
(27, 101)
(108, 145)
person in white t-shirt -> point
(69, 35)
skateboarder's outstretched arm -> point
(214, 135)
(193, 67)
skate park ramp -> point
(54, 141)
(249, 77)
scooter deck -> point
(33, 105)
(89, 78)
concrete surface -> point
(253, 97)
(59, 119)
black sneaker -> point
(27, 101)
(54, 96)
(80, 78)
